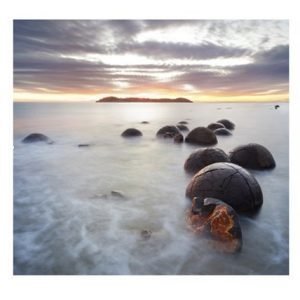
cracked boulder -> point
(204, 157)
(214, 219)
(37, 137)
(201, 136)
(229, 182)
(227, 124)
(167, 131)
(131, 132)
(213, 126)
(253, 156)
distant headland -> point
(143, 100)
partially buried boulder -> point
(131, 132)
(222, 131)
(182, 127)
(201, 136)
(37, 137)
(204, 157)
(170, 130)
(178, 138)
(213, 126)
(228, 124)
(218, 221)
(183, 122)
(229, 182)
(252, 156)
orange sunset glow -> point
(200, 60)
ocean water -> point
(66, 221)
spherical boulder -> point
(131, 132)
(172, 130)
(218, 221)
(228, 124)
(252, 156)
(182, 127)
(229, 182)
(204, 157)
(222, 131)
(178, 138)
(37, 137)
(213, 126)
(201, 136)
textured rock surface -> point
(213, 126)
(204, 157)
(218, 221)
(169, 129)
(131, 132)
(37, 137)
(252, 156)
(229, 182)
(222, 131)
(182, 127)
(201, 136)
(228, 124)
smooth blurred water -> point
(67, 222)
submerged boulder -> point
(144, 122)
(201, 136)
(252, 156)
(182, 127)
(183, 122)
(229, 182)
(146, 234)
(178, 138)
(213, 126)
(218, 221)
(131, 132)
(169, 129)
(228, 124)
(222, 131)
(204, 157)
(37, 137)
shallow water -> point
(67, 222)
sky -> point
(202, 60)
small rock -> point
(182, 127)
(201, 136)
(146, 234)
(144, 122)
(131, 132)
(277, 106)
(213, 126)
(83, 145)
(170, 129)
(117, 194)
(228, 124)
(183, 122)
(37, 137)
(178, 138)
(222, 131)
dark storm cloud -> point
(43, 53)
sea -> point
(82, 210)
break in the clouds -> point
(201, 60)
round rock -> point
(37, 137)
(182, 127)
(228, 124)
(204, 157)
(222, 131)
(229, 182)
(252, 156)
(201, 136)
(131, 132)
(169, 129)
(178, 138)
(213, 126)
(218, 221)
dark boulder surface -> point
(201, 136)
(204, 157)
(144, 122)
(183, 122)
(213, 126)
(218, 221)
(182, 127)
(169, 129)
(222, 131)
(252, 156)
(131, 132)
(178, 138)
(228, 124)
(229, 182)
(83, 145)
(37, 137)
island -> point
(143, 100)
